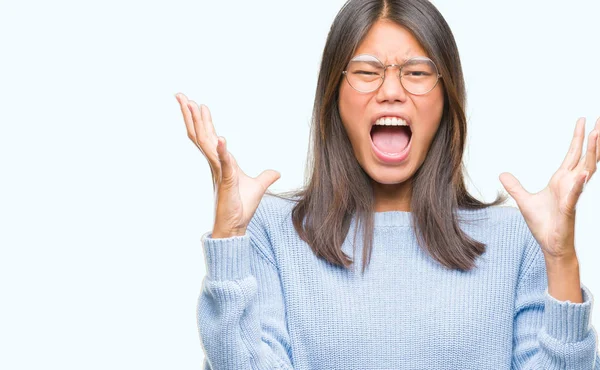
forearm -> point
(563, 278)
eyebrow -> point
(366, 61)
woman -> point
(447, 281)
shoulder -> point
(510, 219)
(505, 215)
(500, 226)
(271, 218)
(495, 217)
(509, 228)
(273, 209)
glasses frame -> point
(385, 67)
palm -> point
(241, 192)
(251, 191)
(237, 194)
(550, 213)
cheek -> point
(352, 110)
(430, 116)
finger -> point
(588, 162)
(576, 190)
(208, 146)
(574, 153)
(514, 187)
(187, 116)
(267, 178)
(227, 173)
(234, 164)
(597, 128)
(207, 120)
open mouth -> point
(391, 139)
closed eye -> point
(366, 73)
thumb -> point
(513, 186)
(267, 178)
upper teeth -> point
(391, 121)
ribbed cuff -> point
(566, 321)
(226, 258)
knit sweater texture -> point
(268, 302)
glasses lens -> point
(365, 73)
(419, 75)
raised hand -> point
(237, 195)
(550, 213)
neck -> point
(392, 197)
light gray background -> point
(104, 198)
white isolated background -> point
(103, 198)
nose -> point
(391, 89)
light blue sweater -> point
(267, 302)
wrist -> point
(565, 261)
(227, 233)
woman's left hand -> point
(550, 213)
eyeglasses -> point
(418, 75)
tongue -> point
(390, 139)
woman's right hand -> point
(237, 195)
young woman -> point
(447, 281)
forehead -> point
(390, 43)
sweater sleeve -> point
(550, 334)
(241, 312)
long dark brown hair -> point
(338, 189)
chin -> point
(389, 175)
